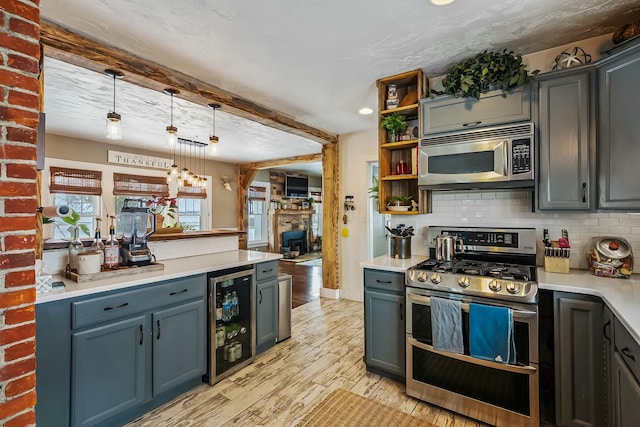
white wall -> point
(356, 149)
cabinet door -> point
(608, 335)
(266, 315)
(450, 113)
(627, 394)
(566, 141)
(108, 373)
(579, 361)
(179, 351)
(619, 131)
(384, 330)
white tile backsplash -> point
(513, 209)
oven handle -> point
(528, 370)
(517, 314)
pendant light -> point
(114, 128)
(172, 131)
(213, 138)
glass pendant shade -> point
(114, 128)
(172, 137)
(174, 170)
(213, 139)
(184, 174)
(169, 178)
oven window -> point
(500, 388)
(421, 331)
(463, 163)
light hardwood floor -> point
(324, 353)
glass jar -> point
(75, 247)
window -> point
(80, 190)
(190, 213)
(258, 215)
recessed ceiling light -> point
(441, 2)
(365, 111)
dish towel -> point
(446, 325)
(491, 333)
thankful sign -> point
(130, 159)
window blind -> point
(257, 193)
(75, 181)
(191, 192)
(139, 185)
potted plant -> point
(394, 123)
(399, 203)
(374, 190)
(486, 71)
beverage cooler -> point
(231, 325)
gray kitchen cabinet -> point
(266, 305)
(178, 345)
(609, 346)
(450, 113)
(627, 388)
(101, 361)
(579, 362)
(619, 130)
(384, 324)
(566, 122)
(108, 375)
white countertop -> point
(621, 295)
(384, 262)
(174, 268)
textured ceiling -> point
(316, 60)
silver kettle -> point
(447, 247)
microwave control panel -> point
(521, 156)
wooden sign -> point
(130, 159)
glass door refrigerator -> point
(231, 325)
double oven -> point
(497, 268)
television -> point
(296, 187)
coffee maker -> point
(134, 218)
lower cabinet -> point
(384, 324)
(626, 394)
(107, 358)
(579, 360)
(266, 314)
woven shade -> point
(139, 185)
(75, 181)
(257, 193)
(316, 196)
(191, 192)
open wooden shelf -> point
(403, 110)
(399, 145)
(398, 177)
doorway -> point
(377, 237)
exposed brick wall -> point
(19, 56)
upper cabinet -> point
(566, 122)
(450, 113)
(619, 130)
(398, 153)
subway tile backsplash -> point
(513, 209)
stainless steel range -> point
(487, 266)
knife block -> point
(556, 260)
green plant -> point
(394, 123)
(72, 220)
(399, 200)
(485, 71)
(373, 190)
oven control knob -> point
(513, 287)
(422, 276)
(463, 282)
(435, 278)
(495, 286)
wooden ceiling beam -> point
(65, 45)
(305, 158)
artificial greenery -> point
(398, 200)
(394, 123)
(486, 71)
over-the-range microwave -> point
(494, 157)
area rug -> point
(303, 258)
(312, 263)
(343, 408)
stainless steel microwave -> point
(494, 157)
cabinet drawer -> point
(385, 280)
(628, 348)
(266, 270)
(122, 304)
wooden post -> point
(330, 215)
(39, 231)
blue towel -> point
(446, 325)
(491, 333)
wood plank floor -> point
(306, 281)
(324, 353)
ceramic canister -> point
(89, 263)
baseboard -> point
(330, 293)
